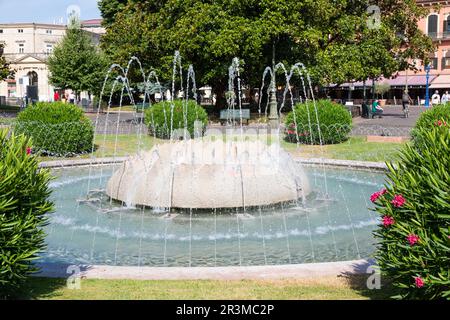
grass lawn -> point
(327, 288)
(124, 108)
(356, 148)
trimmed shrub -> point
(159, 116)
(414, 234)
(24, 204)
(335, 123)
(57, 128)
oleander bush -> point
(414, 235)
(164, 116)
(429, 118)
(331, 124)
(57, 128)
(24, 205)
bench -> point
(233, 115)
(140, 107)
(354, 110)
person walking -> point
(71, 98)
(435, 98)
(445, 98)
(406, 100)
(56, 96)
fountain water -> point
(215, 200)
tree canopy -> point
(76, 63)
(5, 71)
(333, 38)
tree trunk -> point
(221, 101)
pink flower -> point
(291, 132)
(419, 282)
(398, 201)
(374, 197)
(388, 221)
(412, 239)
(29, 150)
(440, 123)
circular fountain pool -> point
(337, 227)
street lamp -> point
(427, 88)
(273, 105)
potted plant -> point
(380, 89)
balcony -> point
(439, 35)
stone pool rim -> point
(269, 272)
(336, 163)
(229, 273)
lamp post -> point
(273, 115)
(427, 88)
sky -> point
(45, 11)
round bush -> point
(414, 234)
(335, 123)
(24, 204)
(56, 128)
(159, 117)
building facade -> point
(437, 26)
(27, 47)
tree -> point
(109, 9)
(5, 71)
(381, 88)
(76, 63)
(332, 38)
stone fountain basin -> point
(209, 174)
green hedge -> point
(335, 123)
(158, 117)
(57, 128)
(24, 206)
(414, 235)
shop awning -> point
(397, 82)
(413, 81)
(441, 82)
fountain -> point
(182, 175)
(237, 199)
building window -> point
(49, 48)
(20, 30)
(1, 30)
(49, 31)
(432, 25)
(446, 63)
(21, 48)
(434, 63)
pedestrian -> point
(445, 98)
(71, 98)
(56, 96)
(406, 100)
(436, 98)
(377, 110)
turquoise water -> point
(334, 228)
